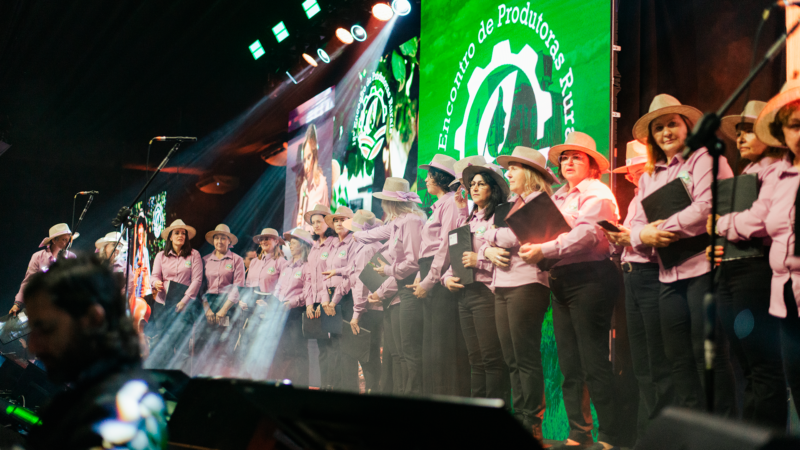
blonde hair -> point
(535, 182)
(395, 210)
(654, 152)
(305, 247)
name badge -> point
(188, 264)
(298, 274)
(480, 230)
(271, 271)
(684, 175)
(343, 254)
(229, 266)
(324, 256)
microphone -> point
(87, 192)
(175, 138)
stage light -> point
(323, 56)
(344, 36)
(280, 31)
(359, 33)
(382, 12)
(256, 49)
(311, 7)
(309, 59)
(401, 7)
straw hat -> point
(493, 171)
(221, 229)
(110, 238)
(322, 210)
(441, 162)
(362, 220)
(56, 231)
(751, 111)
(299, 233)
(581, 142)
(342, 212)
(531, 158)
(462, 164)
(178, 225)
(397, 190)
(635, 157)
(268, 233)
(661, 105)
(789, 93)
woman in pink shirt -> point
(404, 240)
(265, 269)
(744, 284)
(177, 263)
(476, 303)
(294, 285)
(683, 286)
(585, 286)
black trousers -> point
(373, 321)
(584, 297)
(214, 344)
(411, 329)
(291, 356)
(650, 364)
(346, 365)
(445, 362)
(393, 368)
(754, 335)
(490, 378)
(519, 314)
(169, 334)
(790, 343)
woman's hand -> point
(180, 307)
(318, 312)
(354, 326)
(211, 318)
(718, 254)
(373, 298)
(419, 292)
(221, 316)
(621, 238)
(652, 236)
(329, 274)
(14, 310)
(329, 308)
(310, 311)
(261, 302)
(460, 198)
(451, 283)
(243, 305)
(497, 256)
(469, 259)
(380, 269)
(531, 253)
(158, 286)
(709, 223)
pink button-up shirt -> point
(40, 262)
(404, 243)
(223, 275)
(294, 284)
(444, 218)
(749, 224)
(343, 253)
(363, 255)
(583, 206)
(318, 263)
(696, 171)
(518, 272)
(264, 272)
(478, 226)
(641, 254)
(185, 270)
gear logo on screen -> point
(374, 116)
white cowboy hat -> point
(789, 93)
(299, 233)
(178, 225)
(635, 157)
(397, 190)
(531, 158)
(581, 142)
(462, 164)
(751, 111)
(268, 233)
(224, 230)
(441, 162)
(493, 171)
(56, 230)
(661, 105)
(342, 212)
(362, 220)
(322, 210)
(110, 238)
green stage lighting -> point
(311, 7)
(280, 31)
(256, 49)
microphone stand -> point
(704, 135)
(80, 219)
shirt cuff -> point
(388, 271)
(356, 315)
(337, 297)
(550, 249)
(427, 284)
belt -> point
(629, 267)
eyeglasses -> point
(479, 184)
(571, 158)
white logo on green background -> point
(374, 116)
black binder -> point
(312, 328)
(175, 293)
(662, 204)
(738, 194)
(355, 345)
(500, 213)
(13, 327)
(330, 324)
(460, 241)
(537, 222)
(371, 279)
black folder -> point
(175, 293)
(537, 222)
(312, 328)
(738, 194)
(424, 267)
(371, 279)
(662, 204)
(330, 324)
(355, 345)
(500, 213)
(13, 327)
(460, 241)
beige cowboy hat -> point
(441, 162)
(111, 238)
(224, 230)
(789, 93)
(362, 220)
(178, 225)
(299, 233)
(493, 171)
(635, 157)
(57, 230)
(397, 190)
(530, 157)
(581, 142)
(342, 212)
(661, 105)
(751, 111)
(462, 164)
(322, 210)
(268, 233)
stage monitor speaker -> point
(173, 382)
(684, 429)
(234, 414)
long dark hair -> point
(186, 250)
(328, 233)
(495, 199)
(441, 179)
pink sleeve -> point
(639, 219)
(410, 241)
(500, 237)
(33, 267)
(584, 234)
(197, 278)
(388, 289)
(483, 263)
(692, 220)
(156, 275)
(380, 233)
(750, 223)
(238, 279)
(308, 288)
(441, 258)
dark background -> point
(84, 85)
